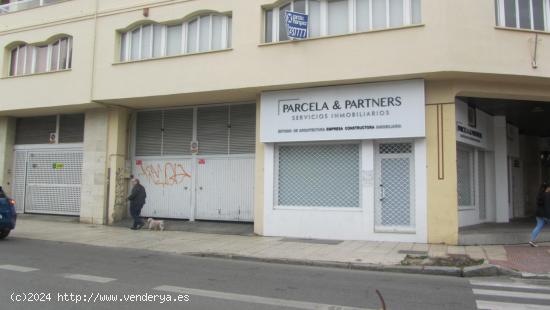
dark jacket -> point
(543, 209)
(137, 196)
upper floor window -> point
(200, 34)
(8, 6)
(524, 14)
(30, 59)
(332, 17)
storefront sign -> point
(360, 111)
(296, 25)
(473, 126)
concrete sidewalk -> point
(349, 254)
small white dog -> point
(155, 224)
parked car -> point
(8, 216)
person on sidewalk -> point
(542, 213)
(137, 200)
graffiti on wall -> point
(164, 174)
(120, 189)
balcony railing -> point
(25, 5)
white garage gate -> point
(48, 164)
(197, 163)
(48, 181)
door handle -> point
(382, 192)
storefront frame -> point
(346, 223)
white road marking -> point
(509, 284)
(17, 268)
(89, 278)
(512, 294)
(252, 299)
(495, 305)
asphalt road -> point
(49, 272)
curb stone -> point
(527, 275)
(443, 271)
(503, 271)
(484, 270)
(431, 270)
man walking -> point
(137, 200)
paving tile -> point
(456, 250)
(495, 252)
(437, 250)
(526, 259)
(420, 247)
(476, 252)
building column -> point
(501, 170)
(118, 176)
(94, 169)
(259, 177)
(442, 173)
(7, 140)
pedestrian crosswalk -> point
(511, 294)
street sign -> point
(296, 24)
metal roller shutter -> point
(35, 130)
(177, 132)
(149, 133)
(71, 128)
(242, 136)
(212, 130)
(215, 184)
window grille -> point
(395, 165)
(318, 176)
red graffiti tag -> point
(169, 175)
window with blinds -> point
(336, 17)
(208, 32)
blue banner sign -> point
(296, 25)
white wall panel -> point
(225, 188)
(168, 183)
